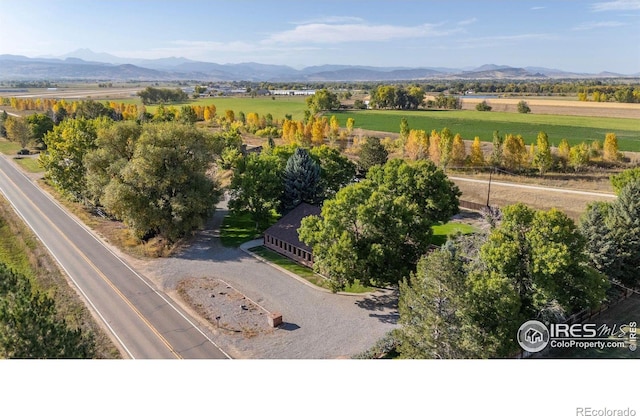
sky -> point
(578, 36)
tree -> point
(483, 106)
(563, 153)
(67, 145)
(433, 319)
(601, 246)
(542, 158)
(623, 178)
(188, 115)
(610, 149)
(19, 130)
(446, 147)
(41, 124)
(371, 153)
(375, 231)
(624, 222)
(477, 155)
(164, 189)
(336, 171)
(434, 147)
(417, 145)
(496, 154)
(404, 131)
(323, 100)
(579, 156)
(115, 147)
(523, 107)
(514, 156)
(301, 179)
(30, 326)
(532, 260)
(458, 151)
(350, 123)
(3, 119)
(256, 187)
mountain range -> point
(85, 64)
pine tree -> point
(301, 180)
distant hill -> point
(84, 64)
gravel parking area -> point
(316, 324)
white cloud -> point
(341, 33)
(597, 25)
(500, 41)
(616, 5)
(538, 8)
(331, 20)
(467, 22)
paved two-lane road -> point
(141, 320)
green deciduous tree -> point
(323, 100)
(19, 130)
(336, 171)
(67, 145)
(532, 260)
(523, 107)
(256, 187)
(165, 189)
(376, 230)
(625, 177)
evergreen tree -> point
(30, 326)
(371, 153)
(624, 222)
(432, 306)
(301, 180)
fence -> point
(474, 206)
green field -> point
(278, 107)
(482, 123)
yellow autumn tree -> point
(458, 151)
(514, 153)
(476, 158)
(434, 147)
(417, 145)
(610, 150)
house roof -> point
(286, 229)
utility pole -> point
(489, 189)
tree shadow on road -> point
(385, 302)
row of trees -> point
(151, 95)
(508, 152)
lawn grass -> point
(9, 148)
(441, 231)
(303, 271)
(30, 164)
(239, 228)
(469, 124)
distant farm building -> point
(282, 237)
(292, 92)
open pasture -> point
(469, 124)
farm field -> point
(278, 107)
(476, 123)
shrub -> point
(523, 107)
(483, 106)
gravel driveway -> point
(317, 324)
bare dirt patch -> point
(224, 307)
